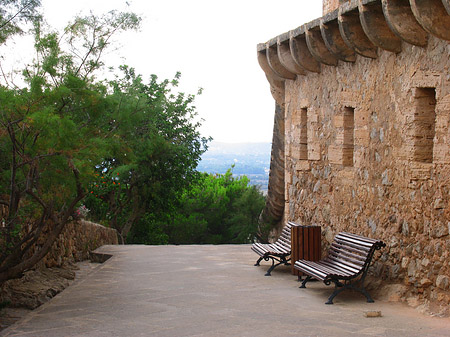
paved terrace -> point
(209, 291)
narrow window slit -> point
(349, 142)
(303, 134)
(424, 120)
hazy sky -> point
(213, 45)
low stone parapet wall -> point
(54, 272)
(77, 240)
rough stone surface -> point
(394, 292)
(383, 189)
(330, 5)
(372, 314)
(442, 281)
(76, 241)
(35, 287)
(52, 274)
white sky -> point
(213, 45)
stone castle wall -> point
(360, 157)
(365, 94)
(76, 241)
(330, 5)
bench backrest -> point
(285, 237)
(353, 252)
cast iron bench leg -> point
(334, 294)
(304, 281)
(259, 260)
(272, 267)
(363, 291)
(342, 287)
(369, 298)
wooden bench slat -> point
(284, 243)
(357, 254)
(350, 246)
(343, 265)
(283, 246)
(280, 250)
(350, 253)
(359, 237)
(359, 260)
(320, 266)
(268, 248)
(344, 260)
(335, 272)
(259, 250)
(304, 266)
(274, 251)
(326, 269)
(352, 243)
(286, 235)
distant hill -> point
(250, 159)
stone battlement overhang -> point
(357, 27)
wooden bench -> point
(278, 251)
(348, 260)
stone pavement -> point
(209, 291)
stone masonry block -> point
(346, 176)
(338, 121)
(314, 151)
(296, 118)
(361, 118)
(374, 121)
(443, 105)
(313, 117)
(295, 152)
(426, 79)
(335, 154)
(358, 158)
(420, 171)
(340, 137)
(350, 98)
(362, 137)
(441, 153)
(288, 178)
(287, 150)
(304, 103)
(303, 165)
(442, 122)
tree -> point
(51, 137)
(157, 150)
(14, 14)
(217, 208)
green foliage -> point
(155, 149)
(14, 14)
(52, 136)
(150, 230)
(213, 209)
